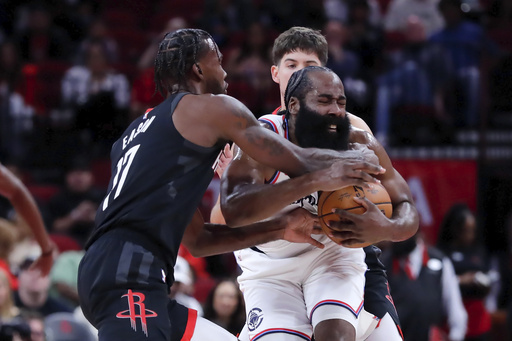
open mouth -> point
(333, 128)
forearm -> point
(26, 207)
(216, 239)
(273, 151)
(405, 222)
(250, 203)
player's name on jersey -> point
(141, 128)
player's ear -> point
(274, 71)
(293, 106)
(196, 70)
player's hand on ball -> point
(300, 225)
(360, 229)
(366, 154)
(347, 173)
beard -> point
(312, 130)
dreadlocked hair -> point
(177, 53)
(300, 83)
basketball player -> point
(293, 50)
(23, 203)
(161, 167)
(293, 290)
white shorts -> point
(292, 295)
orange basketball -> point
(343, 198)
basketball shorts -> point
(123, 293)
(290, 296)
(377, 298)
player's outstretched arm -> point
(204, 239)
(13, 189)
(234, 122)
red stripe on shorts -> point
(191, 325)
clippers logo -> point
(254, 319)
(131, 313)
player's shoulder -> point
(358, 122)
(217, 99)
(215, 103)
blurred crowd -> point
(74, 73)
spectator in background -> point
(143, 95)
(98, 33)
(466, 43)
(16, 116)
(7, 308)
(411, 93)
(425, 292)
(64, 277)
(343, 62)
(41, 40)
(36, 323)
(250, 63)
(7, 241)
(365, 37)
(400, 10)
(99, 97)
(347, 65)
(222, 18)
(182, 290)
(73, 209)
(33, 292)
(225, 306)
(340, 10)
(458, 240)
(64, 326)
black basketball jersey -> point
(158, 180)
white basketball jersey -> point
(283, 248)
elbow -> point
(197, 249)
(414, 224)
(234, 214)
(233, 220)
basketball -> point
(343, 198)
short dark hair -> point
(300, 38)
(300, 83)
(177, 53)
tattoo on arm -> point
(265, 144)
(241, 120)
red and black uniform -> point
(158, 180)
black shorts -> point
(377, 298)
(124, 294)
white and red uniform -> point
(290, 287)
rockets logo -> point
(133, 313)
